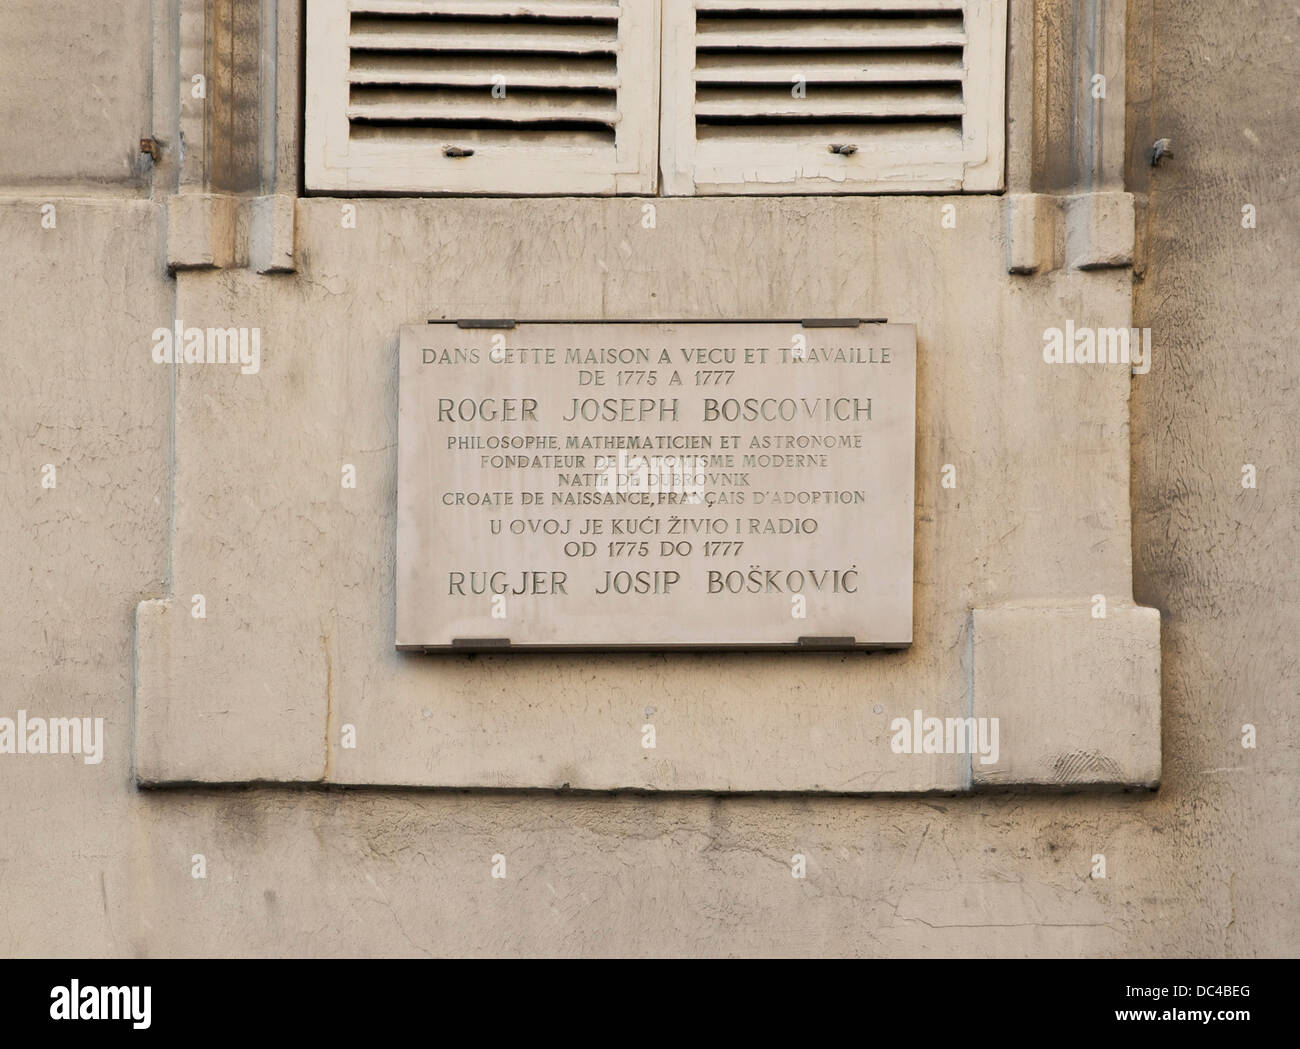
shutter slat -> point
(603, 10)
(400, 35)
(828, 68)
(818, 7)
(504, 141)
(774, 143)
(560, 71)
(516, 109)
(776, 107)
(828, 34)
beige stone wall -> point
(297, 572)
(1223, 563)
(160, 479)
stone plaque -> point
(656, 485)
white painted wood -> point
(730, 123)
(478, 70)
(812, 32)
(914, 102)
(496, 8)
(391, 101)
(454, 37)
(829, 5)
(760, 68)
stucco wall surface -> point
(297, 572)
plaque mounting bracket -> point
(841, 322)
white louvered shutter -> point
(897, 96)
(400, 96)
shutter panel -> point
(898, 95)
(400, 96)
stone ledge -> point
(1101, 728)
(1032, 221)
(271, 230)
(201, 231)
(1077, 701)
(185, 727)
(1099, 230)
